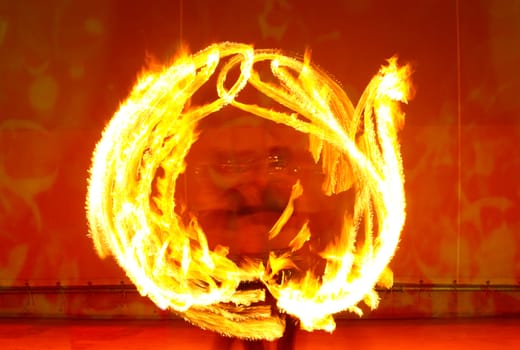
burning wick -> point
(133, 215)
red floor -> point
(362, 334)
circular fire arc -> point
(132, 211)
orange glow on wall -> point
(65, 67)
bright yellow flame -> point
(132, 211)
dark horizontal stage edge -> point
(122, 301)
(397, 287)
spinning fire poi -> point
(137, 214)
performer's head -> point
(239, 178)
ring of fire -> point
(131, 206)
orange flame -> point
(132, 212)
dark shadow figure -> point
(286, 342)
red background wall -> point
(66, 65)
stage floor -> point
(474, 334)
